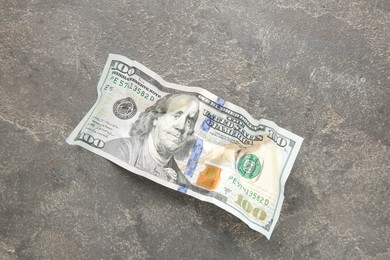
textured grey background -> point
(318, 68)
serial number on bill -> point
(131, 86)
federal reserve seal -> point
(125, 108)
(249, 166)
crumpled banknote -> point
(190, 140)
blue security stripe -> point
(194, 157)
(198, 147)
(220, 101)
(182, 188)
(205, 124)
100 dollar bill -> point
(190, 140)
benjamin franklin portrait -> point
(163, 132)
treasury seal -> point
(125, 108)
(249, 166)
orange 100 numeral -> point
(256, 212)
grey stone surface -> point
(318, 68)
